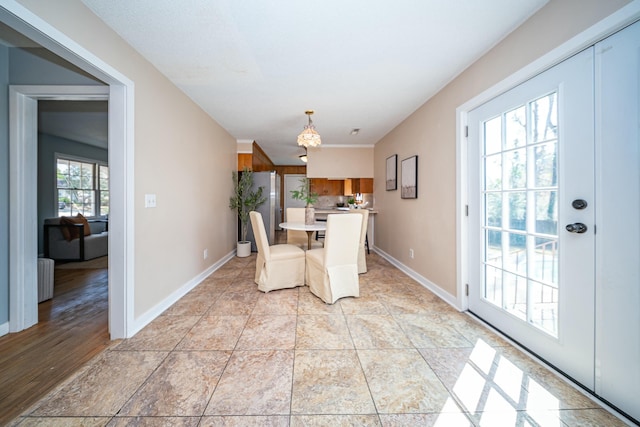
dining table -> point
(309, 228)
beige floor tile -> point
(365, 304)
(284, 301)
(447, 363)
(62, 422)
(192, 304)
(335, 420)
(245, 421)
(234, 304)
(164, 333)
(406, 304)
(424, 333)
(473, 331)
(243, 283)
(311, 304)
(328, 332)
(213, 284)
(214, 333)
(103, 386)
(589, 418)
(268, 332)
(402, 382)
(254, 383)
(426, 420)
(369, 331)
(245, 358)
(329, 382)
(154, 422)
(486, 379)
(181, 386)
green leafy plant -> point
(244, 200)
(304, 192)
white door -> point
(618, 218)
(560, 150)
(292, 182)
(531, 175)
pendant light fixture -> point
(303, 157)
(309, 136)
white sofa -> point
(82, 248)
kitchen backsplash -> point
(332, 201)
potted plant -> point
(244, 200)
(304, 193)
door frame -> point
(609, 25)
(23, 100)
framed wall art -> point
(409, 183)
(392, 173)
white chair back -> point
(260, 234)
(342, 239)
(362, 259)
(296, 237)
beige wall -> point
(340, 162)
(181, 155)
(428, 224)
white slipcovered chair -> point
(332, 272)
(362, 258)
(298, 237)
(277, 266)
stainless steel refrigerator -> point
(270, 210)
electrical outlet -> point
(205, 255)
(149, 200)
(411, 253)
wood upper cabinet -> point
(358, 185)
(365, 185)
(327, 187)
(244, 161)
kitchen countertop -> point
(328, 210)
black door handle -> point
(577, 227)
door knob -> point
(579, 204)
(577, 227)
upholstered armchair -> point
(332, 272)
(297, 237)
(277, 266)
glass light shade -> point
(303, 157)
(309, 137)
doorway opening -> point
(22, 199)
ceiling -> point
(256, 66)
(83, 121)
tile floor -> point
(229, 355)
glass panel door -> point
(520, 213)
(530, 158)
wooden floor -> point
(72, 328)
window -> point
(82, 186)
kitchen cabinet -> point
(327, 187)
(365, 185)
(358, 185)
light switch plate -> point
(149, 200)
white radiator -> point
(45, 279)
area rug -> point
(102, 262)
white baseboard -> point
(445, 296)
(4, 329)
(159, 308)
